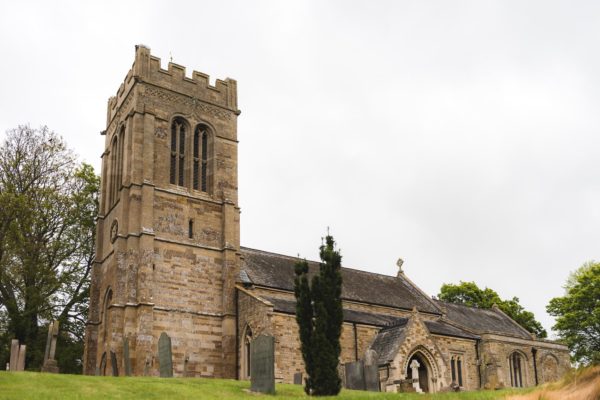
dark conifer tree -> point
(319, 315)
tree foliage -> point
(469, 294)
(319, 316)
(578, 314)
(48, 203)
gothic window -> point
(191, 229)
(178, 133)
(515, 362)
(246, 353)
(456, 367)
(105, 320)
(116, 167)
(113, 172)
(201, 152)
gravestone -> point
(113, 364)
(14, 354)
(126, 359)
(49, 361)
(165, 356)
(298, 378)
(414, 367)
(262, 364)
(21, 359)
(371, 371)
(355, 378)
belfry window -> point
(177, 167)
(200, 163)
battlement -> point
(146, 68)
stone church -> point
(169, 259)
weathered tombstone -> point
(298, 378)
(14, 354)
(262, 364)
(21, 358)
(414, 367)
(165, 356)
(113, 364)
(126, 359)
(102, 369)
(50, 364)
(355, 378)
(371, 371)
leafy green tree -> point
(578, 314)
(469, 294)
(319, 315)
(48, 202)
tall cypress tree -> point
(319, 316)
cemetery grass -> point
(38, 386)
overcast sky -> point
(461, 136)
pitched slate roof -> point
(483, 320)
(443, 328)
(359, 317)
(388, 340)
(277, 271)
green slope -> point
(38, 386)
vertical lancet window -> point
(204, 159)
(516, 373)
(459, 370)
(177, 167)
(453, 367)
(200, 167)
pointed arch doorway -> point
(418, 363)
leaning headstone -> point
(50, 364)
(371, 371)
(355, 378)
(21, 359)
(165, 356)
(298, 378)
(262, 364)
(113, 364)
(14, 354)
(126, 359)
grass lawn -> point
(38, 386)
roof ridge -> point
(313, 261)
(465, 306)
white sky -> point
(462, 136)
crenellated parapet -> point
(147, 69)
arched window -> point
(177, 169)
(105, 320)
(201, 152)
(116, 167)
(112, 191)
(515, 362)
(246, 353)
(456, 367)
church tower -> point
(168, 238)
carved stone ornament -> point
(114, 230)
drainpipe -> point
(479, 362)
(355, 342)
(533, 353)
